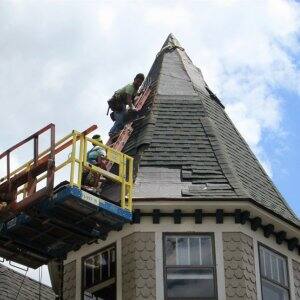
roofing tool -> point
(119, 142)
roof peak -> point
(190, 141)
(171, 42)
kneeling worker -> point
(95, 156)
(121, 98)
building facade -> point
(208, 221)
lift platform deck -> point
(48, 223)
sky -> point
(61, 60)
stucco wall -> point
(239, 266)
(138, 266)
(69, 281)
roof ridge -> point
(230, 173)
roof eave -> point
(219, 200)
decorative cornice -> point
(240, 217)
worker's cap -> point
(97, 138)
(140, 76)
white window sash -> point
(190, 276)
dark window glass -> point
(171, 250)
(99, 275)
(191, 283)
(282, 272)
(268, 265)
(272, 291)
(273, 270)
(112, 263)
(206, 251)
(182, 251)
(190, 269)
(104, 266)
(89, 272)
(97, 270)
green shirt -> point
(123, 93)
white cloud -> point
(54, 75)
(107, 18)
(14, 164)
(166, 15)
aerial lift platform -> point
(39, 221)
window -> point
(189, 267)
(99, 275)
(274, 275)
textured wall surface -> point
(55, 273)
(296, 272)
(69, 284)
(239, 266)
(138, 266)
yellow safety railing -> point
(124, 168)
(123, 162)
(77, 159)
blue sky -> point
(284, 153)
(61, 60)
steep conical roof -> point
(188, 147)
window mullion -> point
(265, 264)
(188, 250)
(100, 268)
(271, 264)
(278, 271)
(200, 251)
(108, 263)
(176, 247)
(93, 270)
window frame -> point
(83, 258)
(205, 267)
(262, 277)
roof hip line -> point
(222, 161)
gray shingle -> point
(188, 129)
(11, 283)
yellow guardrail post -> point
(72, 159)
(84, 151)
(81, 159)
(130, 183)
(125, 181)
(122, 174)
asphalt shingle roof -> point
(188, 143)
(11, 281)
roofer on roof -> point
(121, 98)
